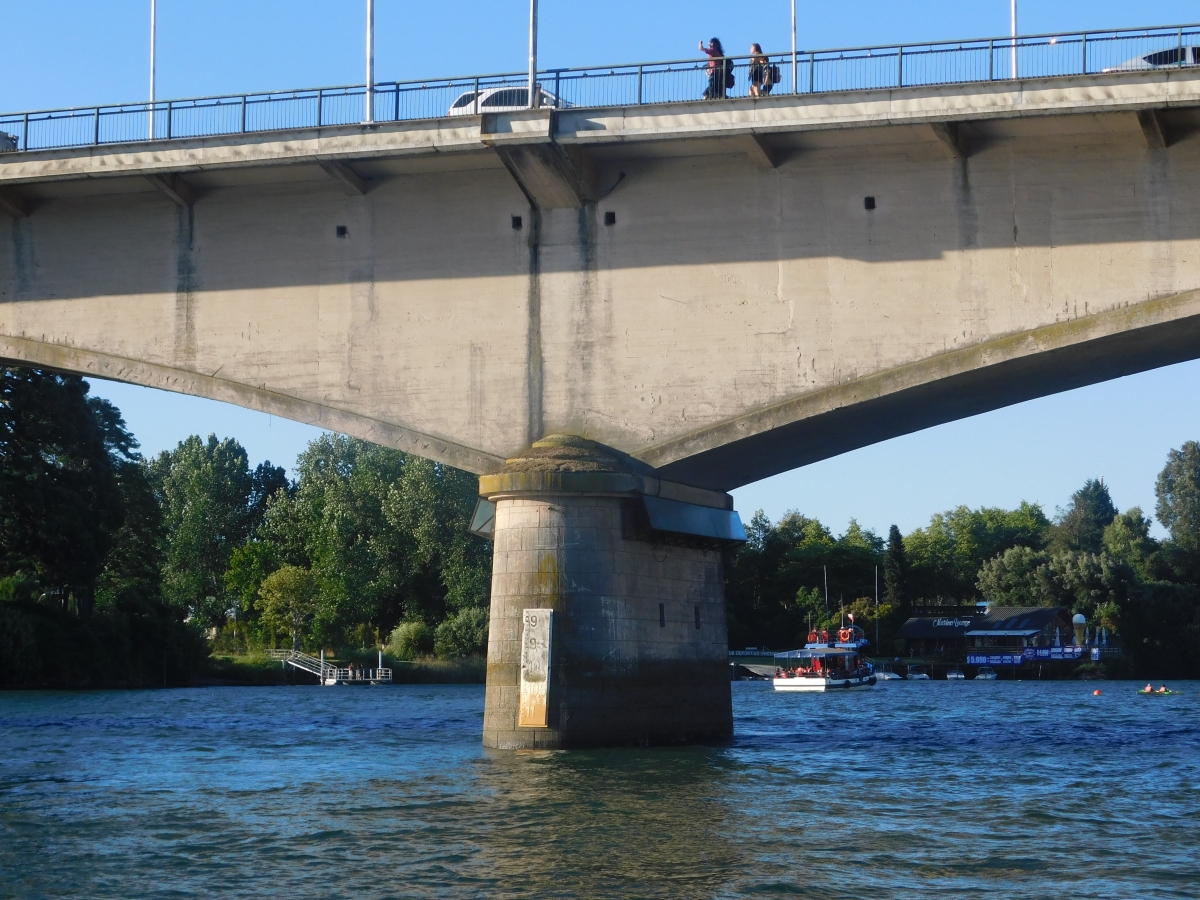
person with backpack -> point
(762, 73)
(720, 70)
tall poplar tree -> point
(895, 572)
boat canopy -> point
(809, 652)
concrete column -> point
(639, 649)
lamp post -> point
(1013, 15)
(795, 67)
(369, 112)
(533, 29)
(153, 42)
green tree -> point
(1178, 509)
(60, 501)
(1020, 576)
(249, 566)
(288, 601)
(946, 556)
(463, 634)
(895, 572)
(205, 489)
(1081, 525)
(1127, 539)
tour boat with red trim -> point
(827, 663)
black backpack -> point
(728, 73)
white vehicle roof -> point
(1160, 59)
(501, 99)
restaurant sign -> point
(994, 659)
(1043, 653)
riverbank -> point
(258, 670)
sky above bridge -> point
(78, 52)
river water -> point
(1005, 789)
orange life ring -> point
(812, 637)
(845, 635)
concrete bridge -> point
(615, 315)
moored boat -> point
(986, 673)
(825, 664)
(956, 675)
(917, 673)
(883, 672)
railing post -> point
(900, 66)
(396, 108)
(991, 59)
(476, 101)
(640, 85)
(170, 122)
(812, 71)
(1084, 53)
(243, 113)
(1181, 46)
(557, 88)
(320, 105)
(25, 132)
(96, 129)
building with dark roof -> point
(1008, 627)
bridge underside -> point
(716, 292)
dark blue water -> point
(911, 790)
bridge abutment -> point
(635, 650)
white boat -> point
(956, 675)
(825, 665)
(986, 673)
(883, 672)
(917, 673)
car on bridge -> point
(1160, 59)
(502, 99)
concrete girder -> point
(948, 138)
(550, 175)
(341, 172)
(14, 203)
(176, 189)
(761, 151)
(1153, 129)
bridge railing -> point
(809, 72)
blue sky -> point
(73, 53)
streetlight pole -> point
(533, 36)
(369, 116)
(153, 42)
(1013, 12)
(795, 67)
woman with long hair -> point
(717, 65)
(760, 72)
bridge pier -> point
(635, 650)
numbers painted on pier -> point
(535, 668)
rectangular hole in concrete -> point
(662, 615)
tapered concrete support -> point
(639, 650)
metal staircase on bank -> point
(328, 673)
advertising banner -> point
(994, 659)
(1044, 653)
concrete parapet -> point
(639, 644)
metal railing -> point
(808, 72)
(328, 672)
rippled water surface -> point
(911, 790)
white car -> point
(1160, 59)
(502, 99)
